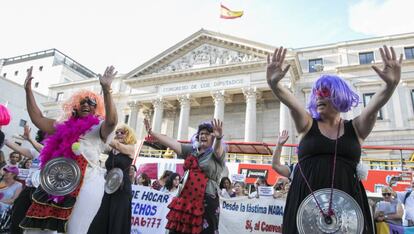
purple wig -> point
(341, 95)
(194, 139)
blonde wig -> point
(130, 137)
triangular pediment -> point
(203, 50)
(205, 56)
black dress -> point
(315, 154)
(114, 215)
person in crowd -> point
(114, 215)
(14, 159)
(196, 208)
(27, 163)
(226, 188)
(29, 153)
(81, 136)
(133, 174)
(281, 187)
(2, 159)
(171, 185)
(4, 120)
(158, 184)
(325, 136)
(24, 200)
(260, 181)
(277, 166)
(389, 209)
(143, 179)
(407, 199)
(239, 189)
(10, 187)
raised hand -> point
(114, 143)
(283, 137)
(217, 128)
(391, 73)
(107, 78)
(274, 72)
(29, 78)
(147, 126)
(26, 132)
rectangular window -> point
(36, 84)
(367, 97)
(412, 98)
(366, 58)
(40, 68)
(16, 73)
(126, 119)
(409, 52)
(315, 65)
(59, 96)
(4, 75)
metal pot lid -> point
(347, 218)
(60, 176)
(114, 180)
(35, 177)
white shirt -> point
(408, 206)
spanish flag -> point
(226, 13)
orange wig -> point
(73, 103)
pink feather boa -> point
(60, 143)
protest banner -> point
(149, 210)
(265, 191)
(244, 215)
(238, 177)
(389, 228)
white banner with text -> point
(256, 215)
(149, 210)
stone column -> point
(395, 98)
(184, 117)
(250, 123)
(158, 105)
(218, 98)
(134, 106)
(284, 125)
(283, 117)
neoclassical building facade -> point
(212, 75)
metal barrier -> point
(374, 163)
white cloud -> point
(378, 18)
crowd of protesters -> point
(90, 128)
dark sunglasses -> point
(89, 101)
(120, 132)
(386, 194)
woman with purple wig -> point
(196, 208)
(330, 147)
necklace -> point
(330, 211)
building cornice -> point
(355, 42)
(196, 74)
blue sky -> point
(127, 33)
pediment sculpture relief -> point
(206, 56)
